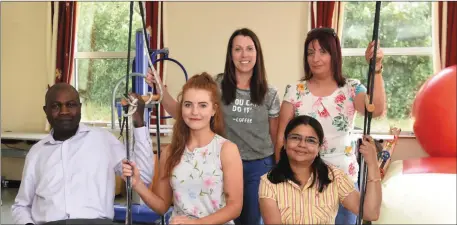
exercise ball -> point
(415, 103)
(434, 111)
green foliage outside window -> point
(402, 24)
(103, 27)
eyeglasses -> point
(57, 106)
(295, 139)
(323, 29)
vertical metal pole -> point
(128, 218)
(368, 115)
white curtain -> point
(338, 18)
(51, 42)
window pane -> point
(403, 76)
(401, 24)
(104, 26)
(96, 81)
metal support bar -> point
(14, 153)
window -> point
(101, 55)
(405, 35)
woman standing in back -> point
(251, 110)
(326, 95)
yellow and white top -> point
(306, 205)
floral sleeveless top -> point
(336, 113)
(197, 181)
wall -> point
(197, 34)
(408, 148)
(23, 72)
(23, 65)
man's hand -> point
(138, 116)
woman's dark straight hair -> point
(258, 86)
(329, 41)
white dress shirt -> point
(75, 179)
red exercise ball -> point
(415, 103)
(434, 110)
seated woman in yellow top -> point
(302, 189)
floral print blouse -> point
(336, 113)
(197, 181)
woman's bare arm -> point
(285, 115)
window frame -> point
(392, 51)
(94, 55)
(408, 51)
(404, 51)
(164, 128)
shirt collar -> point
(307, 185)
(50, 139)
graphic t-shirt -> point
(247, 124)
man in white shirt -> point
(69, 176)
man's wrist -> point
(138, 121)
(138, 124)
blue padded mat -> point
(141, 214)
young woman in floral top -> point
(326, 95)
(200, 172)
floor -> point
(8, 195)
